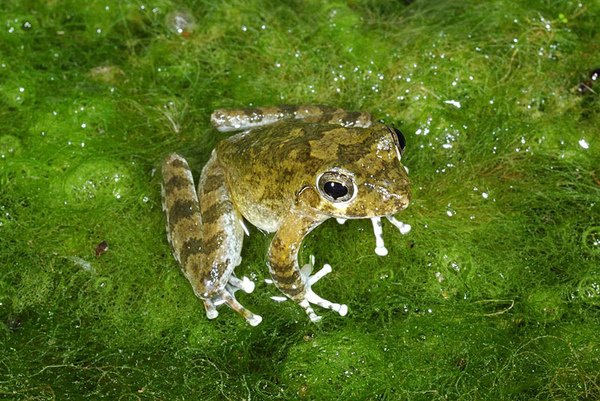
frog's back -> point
(266, 166)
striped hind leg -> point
(239, 119)
(206, 234)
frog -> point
(287, 170)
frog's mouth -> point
(380, 248)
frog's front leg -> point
(206, 234)
(294, 282)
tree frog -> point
(290, 169)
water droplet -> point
(181, 22)
(453, 102)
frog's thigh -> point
(206, 234)
(203, 229)
(222, 238)
(222, 233)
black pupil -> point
(335, 189)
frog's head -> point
(365, 178)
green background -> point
(494, 294)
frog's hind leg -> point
(206, 233)
(180, 204)
(226, 120)
(227, 296)
(223, 233)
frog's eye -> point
(335, 186)
(398, 138)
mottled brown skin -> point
(288, 158)
(268, 175)
(289, 163)
(204, 230)
(283, 252)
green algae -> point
(10, 146)
(494, 293)
(347, 363)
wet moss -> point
(494, 293)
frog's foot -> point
(245, 284)
(226, 296)
(311, 298)
(403, 227)
(380, 248)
